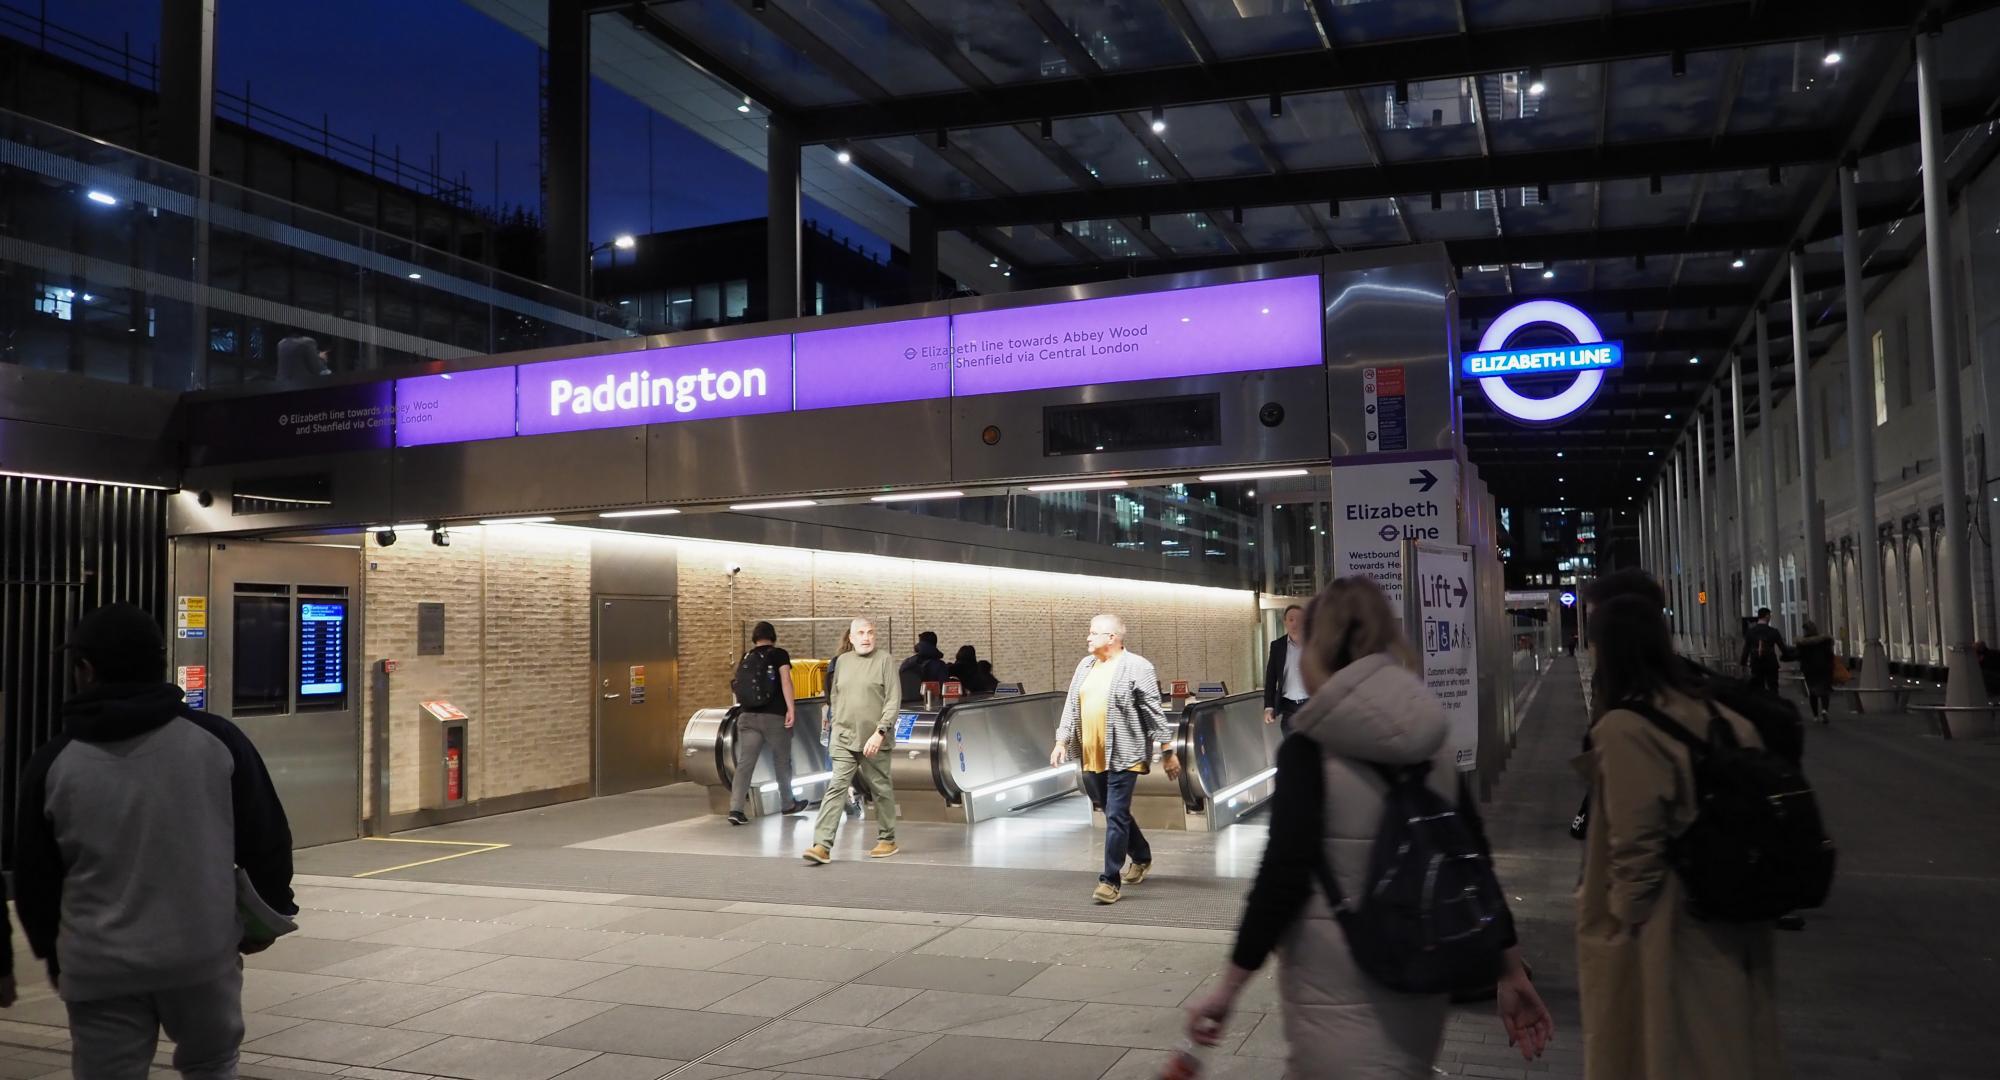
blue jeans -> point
(1113, 792)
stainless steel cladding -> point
(1396, 308)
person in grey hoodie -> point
(1368, 706)
(133, 822)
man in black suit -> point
(1284, 683)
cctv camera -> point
(385, 537)
(440, 537)
(733, 569)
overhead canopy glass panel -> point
(919, 165)
(1318, 131)
(1790, 86)
(1460, 216)
(1209, 141)
(1359, 21)
(1278, 228)
(999, 39)
(1008, 155)
(1124, 34)
(1626, 273)
(1031, 245)
(866, 36)
(1649, 102)
(1190, 234)
(1366, 223)
(1528, 12)
(1108, 150)
(1437, 122)
(1254, 27)
(733, 34)
(1749, 195)
(1563, 115)
(1567, 210)
(1106, 239)
(1629, 204)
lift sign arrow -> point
(1425, 478)
(1459, 593)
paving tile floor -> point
(412, 978)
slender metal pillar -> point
(1742, 599)
(1963, 685)
(1682, 624)
(1812, 516)
(567, 225)
(923, 254)
(1718, 593)
(1704, 579)
(187, 130)
(187, 82)
(781, 227)
(1767, 423)
(1860, 396)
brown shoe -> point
(1135, 872)
(1105, 894)
(818, 855)
(884, 849)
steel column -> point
(1860, 396)
(1704, 580)
(1719, 557)
(781, 234)
(567, 226)
(1768, 446)
(1963, 685)
(923, 254)
(1812, 516)
(1742, 599)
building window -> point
(819, 297)
(707, 304)
(736, 299)
(57, 301)
(680, 307)
(1881, 379)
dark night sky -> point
(412, 72)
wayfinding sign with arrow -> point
(1376, 507)
(1439, 598)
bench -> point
(1899, 694)
(1945, 714)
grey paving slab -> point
(565, 915)
(531, 975)
(257, 1025)
(408, 963)
(786, 1043)
(341, 925)
(486, 1059)
(665, 988)
(674, 903)
(1094, 951)
(966, 941)
(1267, 1039)
(804, 961)
(954, 973)
(647, 1032)
(624, 1067)
(377, 1004)
(810, 911)
(364, 901)
(1260, 994)
(554, 942)
(942, 1010)
(833, 933)
(965, 1057)
(872, 1061)
(308, 955)
(263, 989)
(438, 933)
(348, 1044)
(856, 1005)
(676, 921)
(1142, 1026)
(773, 997)
(508, 1017)
(659, 950)
(465, 908)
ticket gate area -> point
(987, 757)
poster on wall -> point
(1377, 507)
(1439, 610)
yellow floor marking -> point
(477, 849)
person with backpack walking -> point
(766, 710)
(1697, 838)
(1366, 782)
(1763, 648)
(1815, 653)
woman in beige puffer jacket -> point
(1368, 706)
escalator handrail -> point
(1193, 790)
(941, 731)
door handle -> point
(611, 697)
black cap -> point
(117, 630)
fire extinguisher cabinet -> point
(444, 768)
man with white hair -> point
(1111, 722)
(862, 700)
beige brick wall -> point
(518, 625)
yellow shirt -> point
(1093, 703)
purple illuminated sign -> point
(1210, 330)
(459, 407)
(656, 386)
(873, 364)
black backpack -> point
(1777, 720)
(756, 681)
(1433, 919)
(1757, 848)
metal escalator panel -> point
(1232, 770)
(708, 753)
(993, 755)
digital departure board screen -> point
(322, 650)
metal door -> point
(268, 606)
(637, 679)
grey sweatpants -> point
(755, 733)
(114, 1038)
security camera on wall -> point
(733, 569)
(440, 537)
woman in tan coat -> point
(1665, 996)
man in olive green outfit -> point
(861, 714)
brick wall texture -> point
(518, 622)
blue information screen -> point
(905, 723)
(322, 649)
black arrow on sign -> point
(1426, 478)
(1460, 592)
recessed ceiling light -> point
(1253, 474)
(843, 156)
(1079, 485)
(102, 198)
(779, 504)
(914, 496)
(1831, 54)
(656, 512)
(1670, 416)
(1535, 83)
(414, 276)
(518, 521)
(1694, 359)
(1548, 273)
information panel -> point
(322, 649)
(1440, 593)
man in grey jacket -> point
(861, 714)
(1111, 722)
(133, 822)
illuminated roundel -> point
(1587, 355)
(1568, 599)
